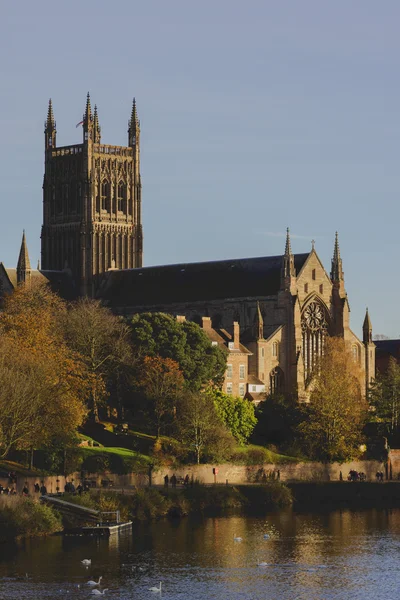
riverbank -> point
(25, 517)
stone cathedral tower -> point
(91, 202)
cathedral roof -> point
(189, 282)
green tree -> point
(197, 421)
(333, 420)
(236, 413)
(186, 343)
(385, 398)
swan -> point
(237, 538)
(99, 593)
(86, 561)
(261, 563)
(155, 589)
(92, 583)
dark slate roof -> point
(62, 283)
(189, 282)
(391, 347)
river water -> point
(338, 555)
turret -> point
(24, 265)
(50, 128)
(367, 329)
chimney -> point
(206, 323)
(180, 318)
(236, 334)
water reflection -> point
(337, 555)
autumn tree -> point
(236, 413)
(101, 339)
(159, 334)
(162, 383)
(332, 421)
(43, 384)
(385, 399)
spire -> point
(134, 126)
(24, 265)
(96, 127)
(288, 270)
(88, 111)
(50, 128)
(259, 323)
(337, 271)
(367, 329)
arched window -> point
(121, 197)
(276, 381)
(314, 330)
(275, 349)
(355, 352)
(105, 196)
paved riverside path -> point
(88, 514)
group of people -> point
(8, 490)
(356, 476)
(379, 475)
(173, 480)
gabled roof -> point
(189, 282)
(391, 347)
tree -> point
(197, 421)
(43, 384)
(162, 383)
(186, 343)
(385, 398)
(236, 413)
(102, 340)
(332, 421)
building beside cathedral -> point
(271, 313)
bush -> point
(24, 517)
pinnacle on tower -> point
(50, 123)
(134, 126)
(337, 271)
(96, 127)
(288, 248)
(88, 111)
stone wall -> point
(234, 474)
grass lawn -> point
(253, 454)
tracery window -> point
(314, 330)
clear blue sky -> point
(255, 116)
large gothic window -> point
(314, 330)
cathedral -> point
(271, 313)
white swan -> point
(92, 583)
(261, 563)
(155, 589)
(99, 593)
(86, 561)
(237, 538)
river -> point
(344, 554)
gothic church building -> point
(281, 307)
